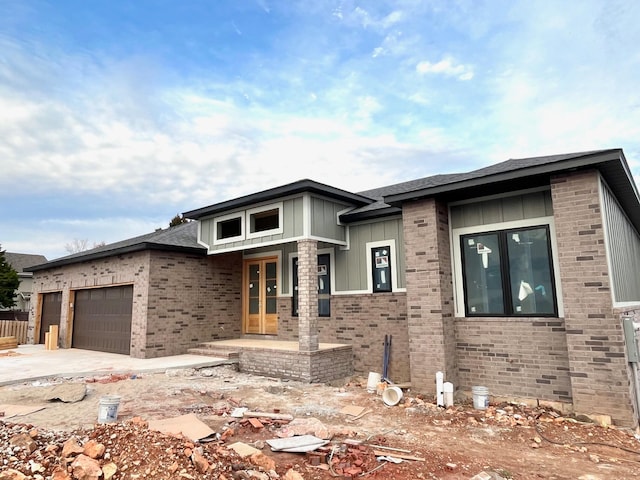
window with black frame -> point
(324, 286)
(508, 273)
(381, 269)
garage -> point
(50, 315)
(102, 319)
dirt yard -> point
(506, 441)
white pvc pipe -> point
(440, 389)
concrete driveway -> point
(32, 362)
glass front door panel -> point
(254, 289)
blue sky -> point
(115, 116)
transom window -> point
(263, 221)
(508, 273)
(229, 228)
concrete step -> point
(215, 352)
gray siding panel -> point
(520, 207)
(324, 219)
(623, 243)
(351, 265)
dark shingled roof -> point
(510, 175)
(278, 192)
(611, 164)
(20, 261)
(181, 238)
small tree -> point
(9, 282)
(177, 220)
(80, 245)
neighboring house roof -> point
(181, 238)
(21, 261)
(279, 192)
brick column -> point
(429, 293)
(597, 365)
(308, 295)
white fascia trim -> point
(229, 216)
(492, 227)
(347, 231)
(394, 266)
(623, 305)
(366, 292)
(264, 208)
(199, 238)
(327, 240)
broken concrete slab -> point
(65, 392)
(306, 426)
(297, 444)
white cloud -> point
(447, 67)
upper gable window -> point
(266, 220)
(229, 228)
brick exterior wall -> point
(179, 300)
(595, 339)
(523, 357)
(430, 308)
(192, 299)
(131, 269)
(361, 321)
(312, 367)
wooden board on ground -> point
(16, 410)
(51, 342)
(7, 343)
(380, 453)
(188, 425)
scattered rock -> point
(261, 460)
(201, 463)
(86, 468)
(71, 447)
(93, 449)
(292, 475)
(23, 441)
(109, 470)
(12, 475)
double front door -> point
(260, 296)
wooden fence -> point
(14, 328)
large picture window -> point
(508, 273)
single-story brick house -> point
(514, 276)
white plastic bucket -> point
(373, 381)
(480, 397)
(391, 396)
(108, 409)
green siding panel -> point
(519, 207)
(351, 265)
(324, 219)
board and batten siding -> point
(324, 219)
(351, 270)
(499, 210)
(623, 249)
(292, 226)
